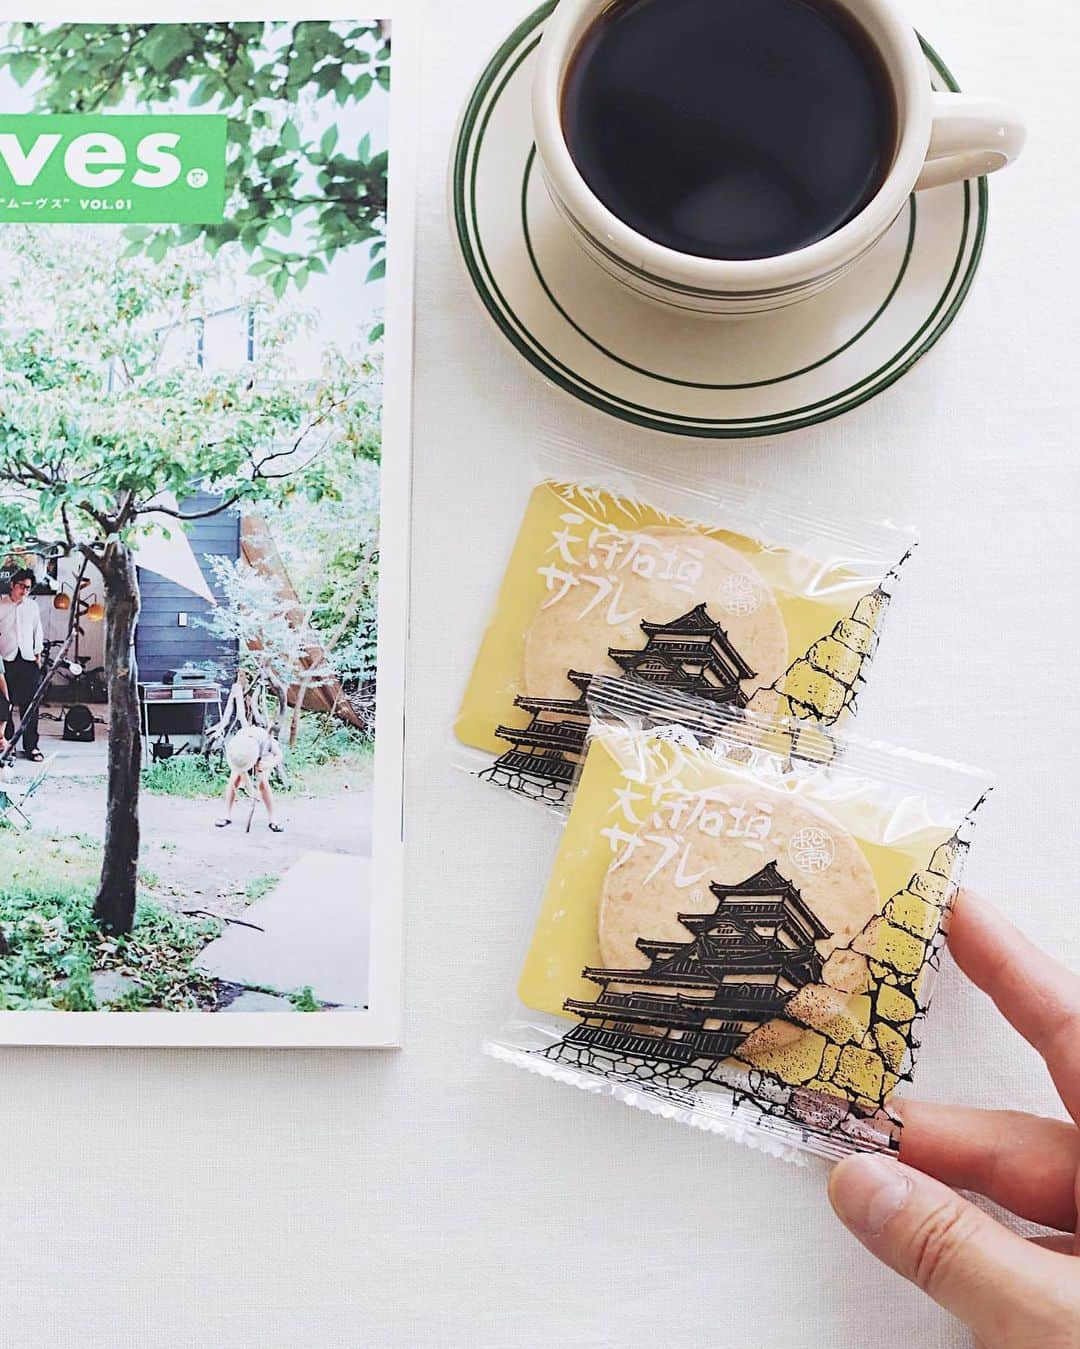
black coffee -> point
(730, 128)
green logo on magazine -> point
(111, 168)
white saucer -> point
(677, 373)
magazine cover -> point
(205, 346)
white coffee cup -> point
(941, 138)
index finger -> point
(1026, 1164)
(1036, 994)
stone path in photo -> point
(315, 927)
(187, 863)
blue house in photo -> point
(170, 631)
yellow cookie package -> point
(738, 937)
(725, 594)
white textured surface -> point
(431, 1198)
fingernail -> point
(866, 1192)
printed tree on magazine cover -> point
(299, 192)
(105, 427)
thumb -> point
(1008, 1291)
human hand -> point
(1012, 1293)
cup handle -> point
(969, 136)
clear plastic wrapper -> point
(738, 937)
(723, 593)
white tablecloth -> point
(431, 1198)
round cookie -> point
(810, 849)
(657, 574)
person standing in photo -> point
(21, 644)
(252, 752)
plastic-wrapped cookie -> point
(739, 939)
(728, 598)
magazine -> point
(206, 234)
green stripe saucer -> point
(679, 372)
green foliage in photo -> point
(192, 776)
(102, 410)
(53, 957)
(331, 551)
(260, 887)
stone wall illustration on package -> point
(822, 685)
(813, 1047)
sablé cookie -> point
(736, 832)
(654, 576)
